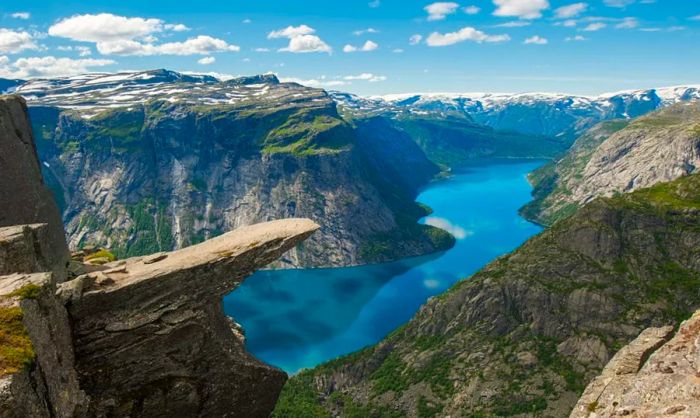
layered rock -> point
(163, 169)
(619, 157)
(655, 375)
(142, 337)
(22, 192)
(526, 334)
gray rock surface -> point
(619, 157)
(142, 337)
(655, 375)
(151, 337)
(22, 191)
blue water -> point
(297, 319)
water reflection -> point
(299, 318)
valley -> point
(298, 319)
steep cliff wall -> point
(619, 157)
(157, 176)
(141, 337)
(25, 198)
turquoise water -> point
(297, 319)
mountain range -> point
(157, 160)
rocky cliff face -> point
(26, 199)
(147, 168)
(619, 157)
(655, 375)
(141, 337)
(525, 335)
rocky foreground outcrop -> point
(142, 337)
(655, 375)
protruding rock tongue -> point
(151, 331)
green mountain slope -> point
(616, 157)
(161, 175)
(524, 336)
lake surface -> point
(298, 319)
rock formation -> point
(655, 375)
(167, 160)
(25, 198)
(142, 337)
(619, 157)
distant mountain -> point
(618, 157)
(157, 160)
(554, 115)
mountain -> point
(524, 336)
(141, 337)
(157, 160)
(539, 114)
(618, 157)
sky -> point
(368, 47)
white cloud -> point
(577, 38)
(572, 10)
(594, 27)
(261, 49)
(105, 27)
(570, 23)
(49, 66)
(415, 39)
(472, 10)
(397, 50)
(178, 27)
(201, 45)
(120, 35)
(628, 23)
(301, 39)
(442, 223)
(619, 3)
(83, 51)
(291, 32)
(246, 21)
(464, 34)
(363, 31)
(513, 24)
(372, 78)
(21, 15)
(321, 83)
(440, 10)
(523, 9)
(431, 283)
(374, 4)
(206, 60)
(368, 46)
(12, 42)
(695, 17)
(536, 40)
(306, 43)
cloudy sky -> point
(367, 46)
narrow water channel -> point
(298, 319)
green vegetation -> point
(28, 291)
(427, 409)
(453, 142)
(300, 399)
(102, 253)
(16, 351)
